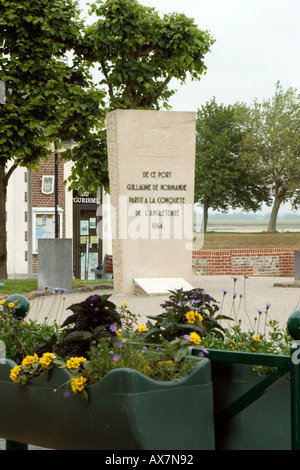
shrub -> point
(186, 312)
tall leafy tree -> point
(46, 99)
(137, 53)
(271, 146)
(221, 181)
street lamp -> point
(66, 145)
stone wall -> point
(250, 262)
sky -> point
(257, 43)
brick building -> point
(31, 215)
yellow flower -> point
(142, 328)
(28, 360)
(118, 334)
(124, 304)
(190, 316)
(46, 359)
(2, 301)
(11, 304)
(166, 365)
(195, 338)
(77, 384)
(23, 323)
(198, 316)
(144, 368)
(14, 374)
(75, 362)
(256, 338)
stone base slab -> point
(160, 286)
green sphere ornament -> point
(21, 305)
(293, 325)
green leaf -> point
(181, 353)
(77, 336)
(60, 364)
(84, 395)
(116, 27)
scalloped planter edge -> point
(126, 411)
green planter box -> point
(126, 411)
(265, 424)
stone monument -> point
(2, 352)
(55, 268)
(151, 158)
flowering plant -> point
(118, 344)
(264, 335)
(91, 319)
(97, 338)
(21, 337)
(32, 366)
(186, 312)
(157, 362)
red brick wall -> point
(43, 200)
(48, 200)
(261, 262)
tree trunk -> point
(3, 244)
(274, 214)
(4, 178)
(205, 215)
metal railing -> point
(283, 365)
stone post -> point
(151, 156)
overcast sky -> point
(257, 44)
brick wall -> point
(48, 200)
(47, 168)
(261, 262)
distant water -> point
(251, 226)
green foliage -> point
(185, 312)
(94, 311)
(23, 286)
(96, 339)
(90, 165)
(158, 363)
(275, 341)
(129, 321)
(49, 27)
(85, 282)
(139, 52)
(46, 98)
(111, 349)
(21, 338)
(271, 145)
(91, 319)
(221, 180)
(17, 286)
